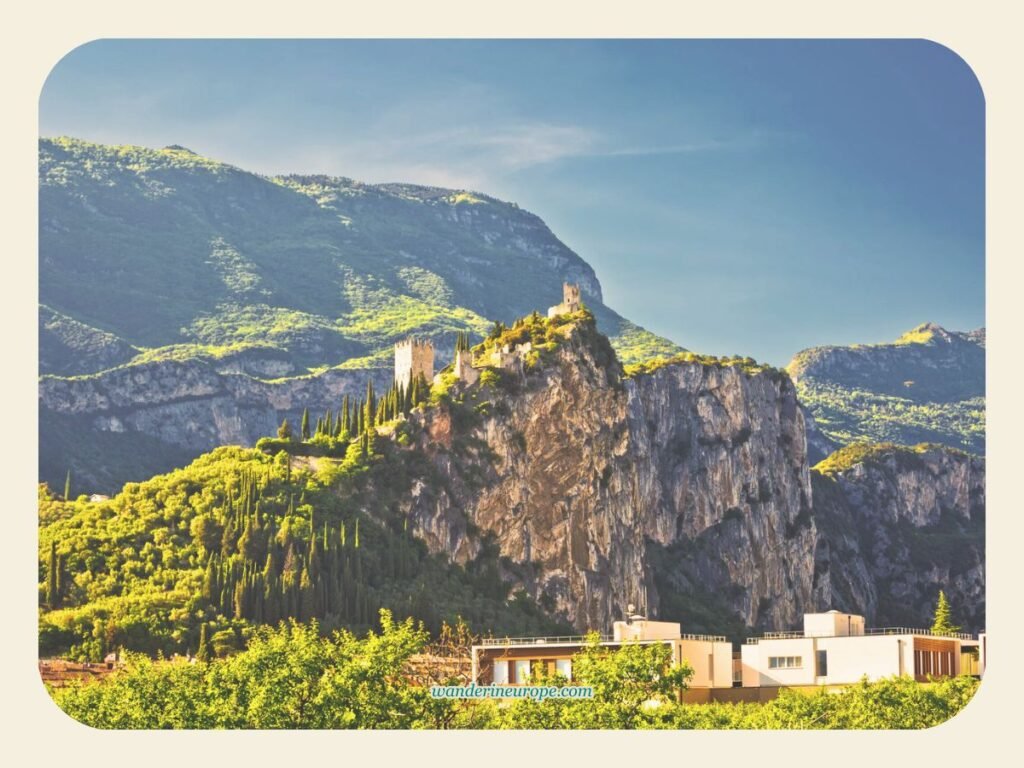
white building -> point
(836, 649)
(512, 661)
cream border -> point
(42, 34)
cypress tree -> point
(204, 653)
(60, 578)
(210, 581)
(285, 430)
(307, 598)
(305, 423)
(67, 486)
(51, 577)
(238, 600)
(345, 426)
(414, 396)
(371, 404)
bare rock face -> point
(600, 490)
(585, 469)
(188, 406)
(898, 527)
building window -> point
(522, 671)
(785, 662)
(500, 676)
(564, 668)
(822, 660)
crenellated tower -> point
(412, 358)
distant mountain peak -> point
(179, 148)
(924, 333)
(930, 333)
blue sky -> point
(739, 197)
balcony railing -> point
(551, 640)
(872, 631)
(912, 631)
(583, 639)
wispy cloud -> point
(478, 155)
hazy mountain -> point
(927, 386)
(189, 303)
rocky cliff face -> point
(688, 490)
(581, 471)
(898, 526)
(181, 409)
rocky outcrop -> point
(898, 526)
(687, 484)
(188, 407)
(580, 471)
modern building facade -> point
(836, 649)
(514, 660)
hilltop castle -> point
(570, 301)
(413, 358)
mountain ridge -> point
(208, 270)
(926, 386)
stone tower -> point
(464, 367)
(570, 301)
(412, 358)
(571, 296)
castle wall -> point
(464, 368)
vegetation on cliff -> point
(240, 538)
(865, 453)
(747, 365)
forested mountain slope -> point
(927, 386)
(163, 268)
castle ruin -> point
(413, 358)
(464, 369)
(570, 301)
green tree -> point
(67, 486)
(204, 653)
(305, 423)
(943, 623)
(285, 430)
(51, 578)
